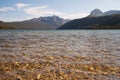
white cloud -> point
(22, 5)
(41, 11)
(45, 11)
(5, 9)
(75, 15)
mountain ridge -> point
(96, 20)
(98, 12)
(50, 22)
(100, 22)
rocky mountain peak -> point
(54, 20)
(96, 12)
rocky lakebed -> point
(60, 55)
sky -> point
(18, 10)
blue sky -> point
(16, 10)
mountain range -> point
(96, 20)
(47, 23)
(98, 13)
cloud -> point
(5, 9)
(22, 5)
(75, 15)
(38, 11)
(18, 5)
(41, 11)
(45, 11)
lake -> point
(60, 54)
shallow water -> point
(101, 47)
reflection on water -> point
(100, 47)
